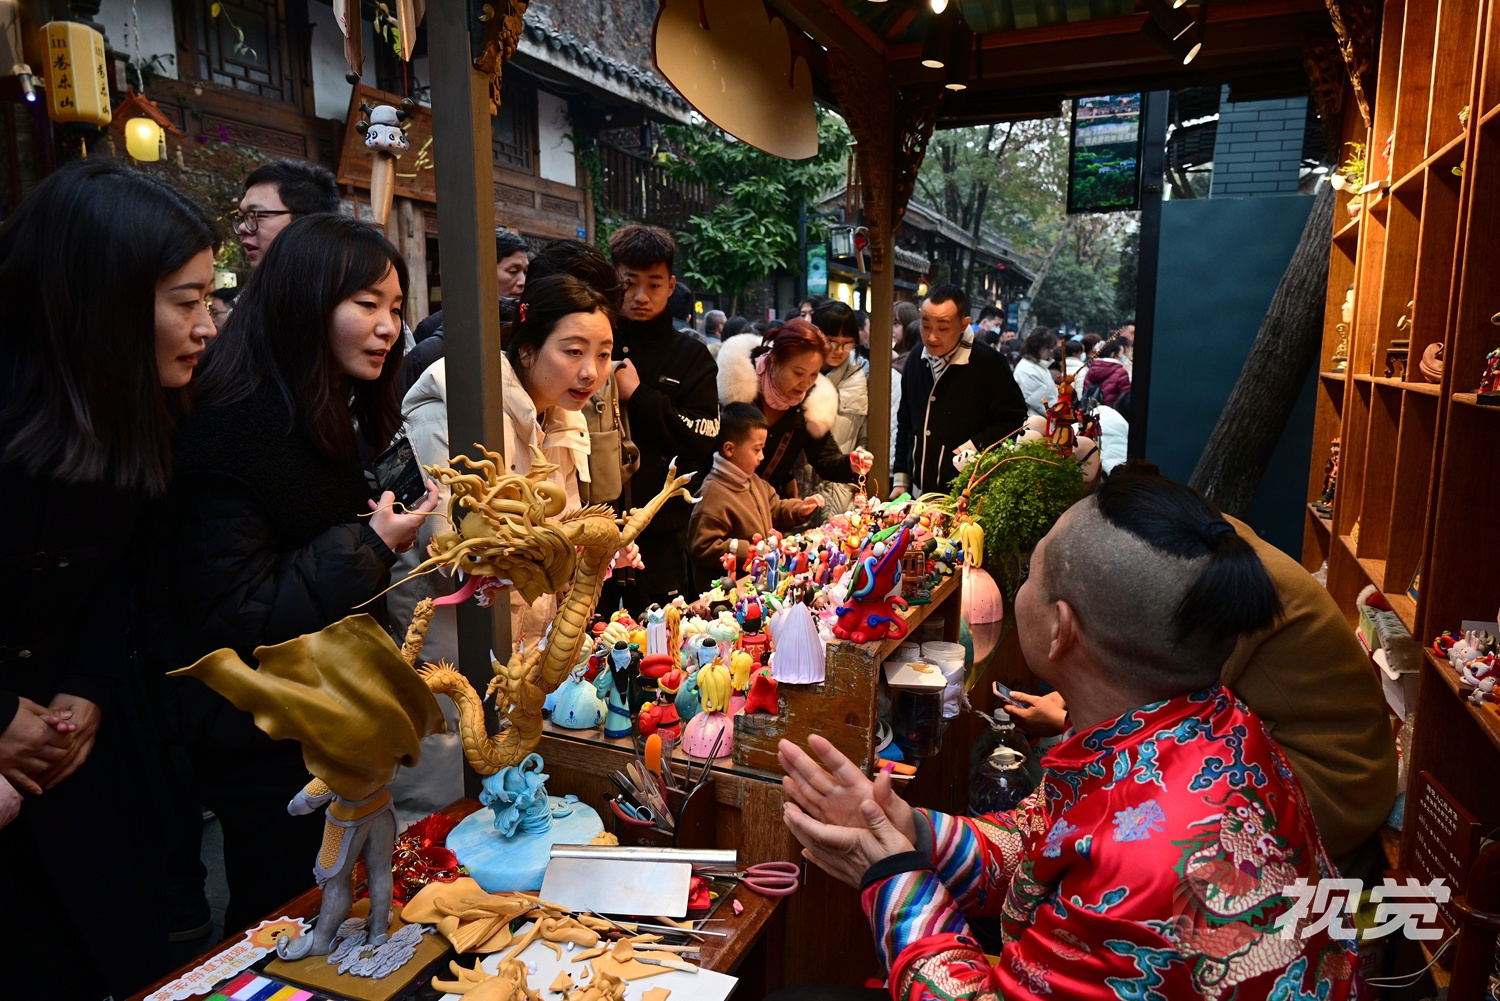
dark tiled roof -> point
(568, 46)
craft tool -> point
(671, 964)
(630, 813)
(715, 858)
(636, 926)
(769, 879)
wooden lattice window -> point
(248, 46)
(515, 126)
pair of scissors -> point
(769, 879)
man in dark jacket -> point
(667, 381)
(956, 395)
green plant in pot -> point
(1350, 177)
(1020, 490)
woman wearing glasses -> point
(274, 529)
(103, 272)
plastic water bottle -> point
(1003, 770)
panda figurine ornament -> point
(385, 134)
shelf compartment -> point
(1379, 478)
(1353, 435)
(1452, 70)
(1473, 335)
(1398, 279)
(1436, 251)
(1486, 717)
(1416, 449)
(1459, 583)
(1416, 45)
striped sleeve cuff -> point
(907, 907)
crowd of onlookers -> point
(194, 470)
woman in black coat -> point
(275, 528)
(784, 380)
(103, 273)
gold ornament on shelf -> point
(1341, 352)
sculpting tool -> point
(671, 964)
(668, 929)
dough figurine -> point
(513, 527)
(870, 613)
(386, 136)
(712, 728)
(350, 696)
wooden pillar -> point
(410, 237)
(882, 312)
(461, 153)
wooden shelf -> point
(1486, 716)
(1412, 472)
(1324, 523)
(1404, 607)
(1426, 388)
(1452, 152)
(1471, 400)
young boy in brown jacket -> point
(735, 505)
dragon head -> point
(503, 524)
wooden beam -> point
(461, 136)
(1115, 47)
(833, 26)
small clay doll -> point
(710, 734)
(1489, 385)
(386, 136)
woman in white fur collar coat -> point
(799, 404)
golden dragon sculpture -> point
(513, 527)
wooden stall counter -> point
(749, 951)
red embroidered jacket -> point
(1150, 866)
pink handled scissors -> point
(769, 879)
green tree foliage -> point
(1009, 179)
(752, 231)
(1125, 277)
(1078, 293)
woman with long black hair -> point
(274, 529)
(103, 272)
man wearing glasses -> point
(276, 194)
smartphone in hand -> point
(396, 470)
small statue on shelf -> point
(1489, 385)
(1346, 321)
(1341, 352)
(1324, 505)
